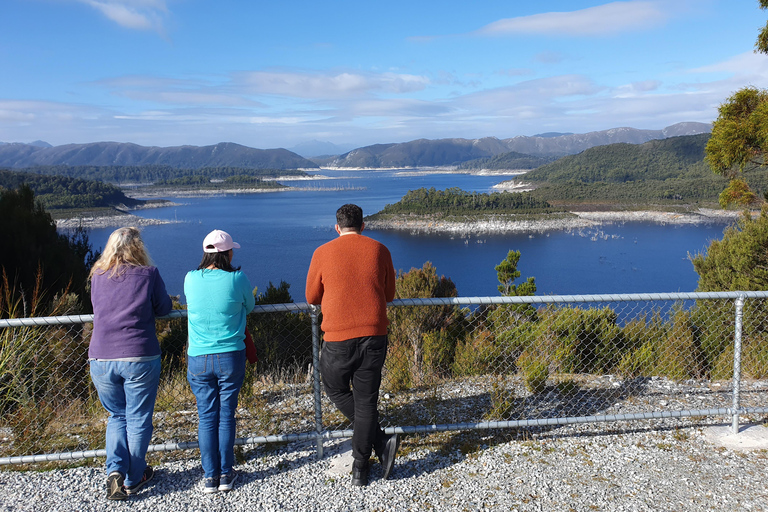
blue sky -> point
(277, 74)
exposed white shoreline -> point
(499, 224)
(491, 225)
(110, 221)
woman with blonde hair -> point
(127, 294)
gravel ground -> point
(650, 465)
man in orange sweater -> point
(352, 278)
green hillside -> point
(507, 161)
(61, 192)
(154, 173)
(665, 172)
(673, 158)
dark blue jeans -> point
(356, 362)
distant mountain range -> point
(417, 153)
(224, 154)
(431, 153)
(316, 149)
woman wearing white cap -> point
(219, 297)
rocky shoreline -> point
(499, 224)
(109, 221)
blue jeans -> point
(216, 380)
(128, 392)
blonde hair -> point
(124, 248)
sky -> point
(355, 73)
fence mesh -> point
(460, 362)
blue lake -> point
(279, 231)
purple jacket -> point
(124, 310)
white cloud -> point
(329, 85)
(744, 63)
(132, 14)
(607, 19)
(635, 88)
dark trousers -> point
(356, 362)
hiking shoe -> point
(115, 487)
(387, 456)
(149, 473)
(227, 481)
(211, 485)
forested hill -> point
(155, 173)
(225, 154)
(508, 161)
(64, 192)
(673, 158)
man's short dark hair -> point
(350, 216)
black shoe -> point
(360, 474)
(388, 454)
(115, 487)
(149, 473)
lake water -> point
(278, 232)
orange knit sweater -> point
(352, 278)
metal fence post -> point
(737, 364)
(314, 313)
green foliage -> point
(661, 172)
(454, 201)
(207, 183)
(66, 192)
(761, 45)
(739, 261)
(502, 316)
(504, 161)
(154, 173)
(507, 272)
(172, 335)
(671, 350)
(478, 355)
(535, 372)
(40, 365)
(275, 334)
(37, 252)
(754, 360)
(423, 337)
(739, 140)
(656, 160)
(504, 403)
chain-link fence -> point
(452, 364)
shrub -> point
(535, 372)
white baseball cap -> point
(219, 241)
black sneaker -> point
(149, 473)
(211, 485)
(227, 481)
(115, 487)
(388, 454)
(360, 474)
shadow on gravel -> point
(448, 448)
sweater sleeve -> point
(161, 301)
(314, 289)
(389, 279)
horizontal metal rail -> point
(446, 301)
(319, 434)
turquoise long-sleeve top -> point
(217, 304)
